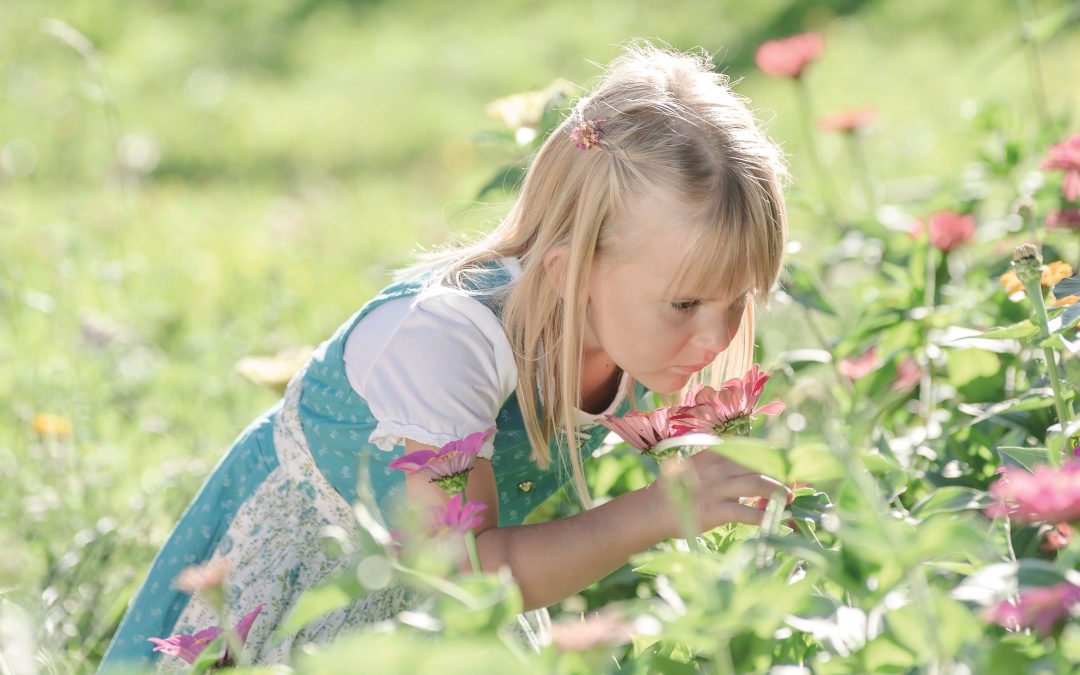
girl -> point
(647, 226)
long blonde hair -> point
(670, 122)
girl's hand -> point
(717, 484)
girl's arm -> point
(552, 561)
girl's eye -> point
(685, 305)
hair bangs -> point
(724, 257)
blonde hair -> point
(670, 122)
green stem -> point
(920, 590)
(806, 117)
(470, 542)
(1038, 88)
(474, 554)
(1063, 409)
(858, 161)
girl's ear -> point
(555, 268)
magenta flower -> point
(450, 464)
(948, 230)
(789, 57)
(1045, 495)
(1040, 608)
(1065, 156)
(908, 374)
(643, 430)
(729, 409)
(456, 517)
(189, 647)
(858, 367)
(848, 121)
(1066, 219)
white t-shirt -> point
(436, 367)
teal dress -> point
(292, 473)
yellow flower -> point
(47, 424)
(274, 371)
(525, 110)
(1067, 300)
(1051, 274)
(1011, 283)
(1055, 272)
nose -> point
(714, 335)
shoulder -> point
(441, 329)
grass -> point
(302, 150)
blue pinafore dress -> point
(288, 476)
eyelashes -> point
(687, 306)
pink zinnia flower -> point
(908, 374)
(188, 647)
(1045, 495)
(1056, 538)
(605, 628)
(789, 57)
(729, 409)
(643, 430)
(1065, 156)
(456, 517)
(858, 367)
(450, 464)
(948, 230)
(1067, 219)
(848, 121)
(1040, 608)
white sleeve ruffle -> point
(433, 368)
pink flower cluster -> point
(848, 121)
(729, 409)
(789, 57)
(948, 230)
(1065, 156)
(457, 517)
(857, 367)
(189, 647)
(450, 464)
(1045, 495)
(1041, 608)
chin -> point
(664, 384)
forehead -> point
(678, 247)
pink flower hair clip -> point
(586, 133)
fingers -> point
(734, 512)
(752, 485)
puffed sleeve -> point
(433, 368)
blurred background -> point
(187, 183)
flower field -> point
(166, 264)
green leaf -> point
(804, 288)
(811, 507)
(1036, 399)
(951, 498)
(953, 625)
(1025, 458)
(999, 581)
(1067, 287)
(1018, 331)
(1067, 319)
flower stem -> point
(858, 161)
(868, 488)
(1038, 89)
(1027, 261)
(1063, 409)
(474, 554)
(470, 542)
(806, 117)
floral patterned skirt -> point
(273, 543)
